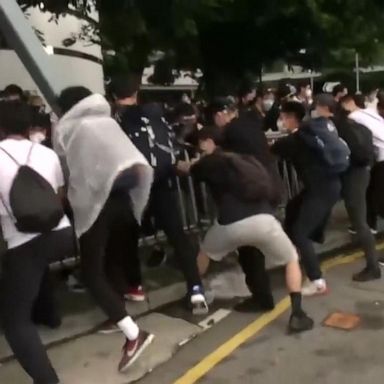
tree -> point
(227, 38)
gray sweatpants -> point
(354, 189)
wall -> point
(71, 70)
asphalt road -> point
(231, 352)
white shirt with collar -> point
(375, 123)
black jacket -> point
(310, 169)
(150, 133)
(225, 183)
(245, 136)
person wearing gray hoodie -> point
(109, 182)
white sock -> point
(129, 328)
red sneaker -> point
(133, 349)
(135, 294)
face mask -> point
(309, 93)
(267, 104)
(37, 137)
(314, 114)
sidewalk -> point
(84, 357)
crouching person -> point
(109, 182)
(243, 193)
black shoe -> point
(367, 274)
(255, 305)
(54, 322)
(300, 322)
(157, 259)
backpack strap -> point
(30, 153)
(10, 156)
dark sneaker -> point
(300, 322)
(108, 328)
(197, 301)
(75, 285)
(367, 274)
(52, 322)
(353, 231)
(254, 304)
(157, 259)
(133, 349)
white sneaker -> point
(315, 288)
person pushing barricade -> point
(148, 130)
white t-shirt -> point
(44, 161)
(375, 123)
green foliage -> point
(229, 37)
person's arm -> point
(285, 147)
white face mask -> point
(309, 93)
(267, 104)
(314, 114)
(37, 137)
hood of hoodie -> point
(92, 106)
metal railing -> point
(196, 206)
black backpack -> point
(360, 141)
(35, 206)
(248, 179)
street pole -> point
(22, 38)
(357, 67)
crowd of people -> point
(92, 179)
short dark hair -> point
(380, 98)
(359, 100)
(123, 86)
(15, 118)
(294, 108)
(347, 98)
(13, 90)
(211, 132)
(302, 84)
(245, 88)
(71, 96)
(184, 109)
(338, 89)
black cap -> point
(221, 104)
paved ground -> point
(325, 355)
(83, 357)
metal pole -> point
(357, 61)
(22, 38)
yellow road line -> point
(214, 358)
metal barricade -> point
(196, 208)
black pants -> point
(252, 262)
(375, 193)
(23, 271)
(306, 218)
(354, 191)
(45, 309)
(114, 236)
(164, 207)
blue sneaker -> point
(198, 302)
